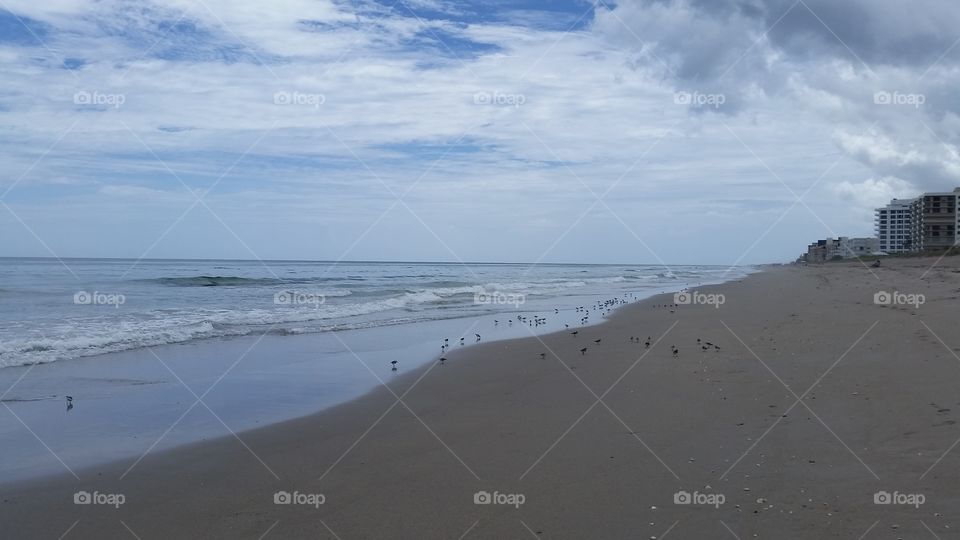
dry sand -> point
(816, 400)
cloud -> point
(819, 56)
(499, 123)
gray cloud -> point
(821, 56)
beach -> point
(819, 410)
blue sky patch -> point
(20, 30)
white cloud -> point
(595, 101)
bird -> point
(443, 359)
(543, 355)
(69, 402)
(583, 350)
(647, 343)
(394, 363)
(597, 340)
(575, 332)
(676, 352)
(478, 336)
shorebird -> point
(597, 340)
(543, 355)
(575, 332)
(583, 350)
(478, 336)
(394, 363)
(647, 343)
(676, 352)
(442, 359)
(69, 402)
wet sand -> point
(816, 400)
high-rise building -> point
(938, 220)
(897, 226)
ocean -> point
(62, 310)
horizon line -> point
(461, 263)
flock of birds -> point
(674, 350)
(604, 307)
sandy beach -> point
(815, 407)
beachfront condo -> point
(928, 222)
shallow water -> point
(130, 402)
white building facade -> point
(897, 226)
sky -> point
(639, 131)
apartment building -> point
(849, 248)
(829, 249)
(937, 227)
(896, 226)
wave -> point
(231, 281)
(362, 305)
(86, 337)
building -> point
(929, 222)
(897, 226)
(843, 247)
(938, 220)
(850, 248)
(820, 251)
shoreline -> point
(499, 419)
(268, 384)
